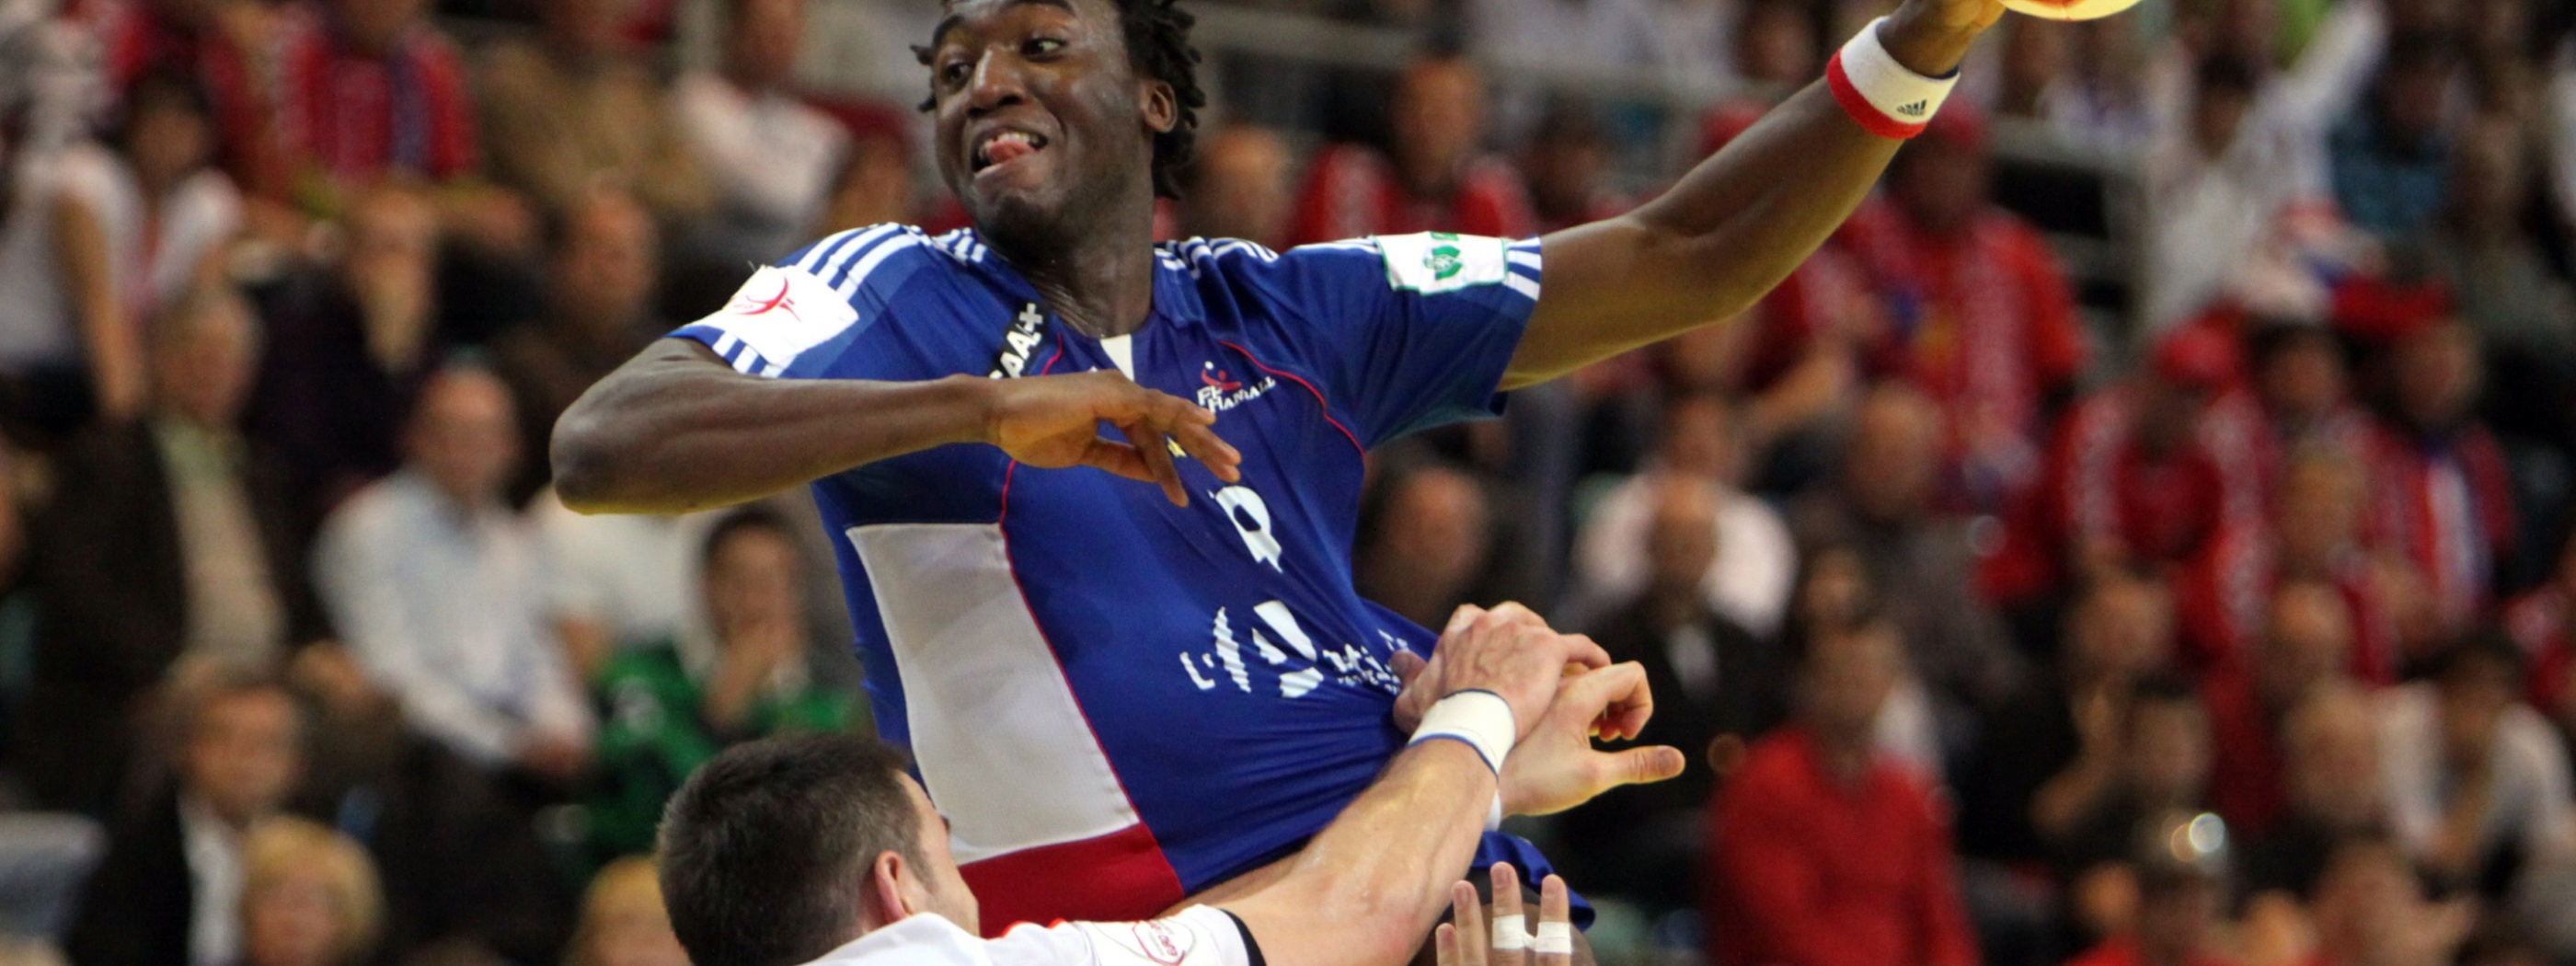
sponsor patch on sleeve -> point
(1442, 262)
(776, 316)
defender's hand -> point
(1555, 767)
(1426, 682)
(1931, 37)
(1054, 422)
(1465, 941)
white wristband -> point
(1886, 97)
(1481, 719)
(1553, 937)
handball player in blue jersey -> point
(1093, 497)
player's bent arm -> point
(1735, 225)
(675, 429)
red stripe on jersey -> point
(1118, 877)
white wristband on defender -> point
(1481, 719)
(1883, 95)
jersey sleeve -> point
(1197, 936)
(1406, 332)
(819, 312)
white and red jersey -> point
(1196, 936)
(2444, 503)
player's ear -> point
(887, 896)
(1161, 107)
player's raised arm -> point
(1744, 218)
(676, 429)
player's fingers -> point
(1464, 617)
(1469, 915)
(1211, 450)
(1444, 941)
(1552, 943)
(1407, 666)
(1116, 457)
(1582, 649)
(1637, 766)
(1617, 698)
(1511, 928)
(1149, 446)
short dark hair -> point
(749, 519)
(765, 851)
(1157, 35)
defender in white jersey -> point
(821, 849)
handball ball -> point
(2070, 9)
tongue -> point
(1008, 150)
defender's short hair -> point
(765, 851)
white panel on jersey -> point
(1122, 350)
(1197, 936)
(1002, 746)
(1442, 262)
(778, 315)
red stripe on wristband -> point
(1866, 114)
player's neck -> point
(1099, 279)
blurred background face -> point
(875, 188)
(2217, 112)
(605, 265)
(760, 46)
(2364, 899)
(2169, 750)
(374, 25)
(2473, 700)
(1939, 182)
(2316, 511)
(1834, 591)
(622, 921)
(1438, 113)
(2121, 630)
(2174, 920)
(167, 138)
(1242, 189)
(1700, 439)
(1683, 543)
(463, 438)
(1894, 459)
(241, 755)
(292, 919)
(2487, 177)
(1848, 676)
(1565, 160)
(2334, 761)
(1435, 527)
(2437, 375)
(391, 232)
(204, 366)
(1777, 44)
(2169, 414)
(2411, 96)
(752, 577)
(2305, 642)
(583, 28)
(2303, 379)
(2035, 55)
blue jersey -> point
(1115, 701)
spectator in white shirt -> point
(437, 588)
(2477, 781)
(1757, 561)
(771, 159)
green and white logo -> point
(1442, 262)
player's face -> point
(1038, 115)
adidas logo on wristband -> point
(1880, 94)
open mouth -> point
(1003, 147)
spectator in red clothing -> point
(1825, 853)
(2543, 622)
(200, 39)
(2441, 498)
(2131, 485)
(2314, 533)
(369, 89)
(1982, 316)
(2306, 643)
(1435, 179)
(2297, 397)
(2179, 901)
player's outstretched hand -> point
(1465, 941)
(1507, 650)
(1054, 422)
(1555, 766)
(1425, 681)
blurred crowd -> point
(2226, 620)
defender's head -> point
(783, 849)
